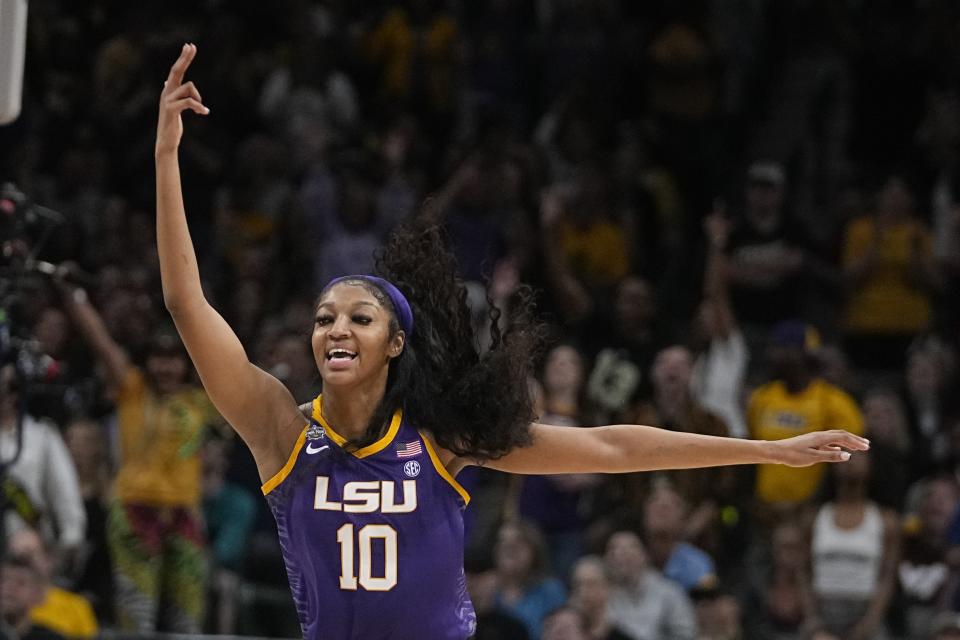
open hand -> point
(176, 97)
(819, 446)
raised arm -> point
(255, 403)
(90, 324)
(626, 448)
(716, 291)
(574, 297)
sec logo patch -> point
(411, 468)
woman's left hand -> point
(819, 446)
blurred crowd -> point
(741, 218)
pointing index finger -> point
(179, 67)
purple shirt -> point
(372, 539)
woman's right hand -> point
(176, 97)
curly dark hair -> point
(475, 404)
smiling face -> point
(354, 336)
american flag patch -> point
(409, 450)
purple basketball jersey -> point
(373, 539)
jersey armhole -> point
(442, 470)
(281, 475)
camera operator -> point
(41, 487)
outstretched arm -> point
(255, 403)
(625, 448)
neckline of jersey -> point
(368, 450)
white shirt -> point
(717, 380)
(657, 609)
(846, 562)
(46, 474)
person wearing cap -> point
(793, 402)
(772, 262)
(154, 524)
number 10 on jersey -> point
(363, 542)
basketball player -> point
(365, 494)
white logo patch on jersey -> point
(411, 468)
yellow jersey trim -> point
(368, 450)
(442, 470)
(281, 475)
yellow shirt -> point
(598, 253)
(773, 413)
(886, 301)
(397, 44)
(159, 444)
(67, 613)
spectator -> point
(718, 617)
(928, 402)
(665, 518)
(85, 441)
(795, 401)
(592, 239)
(345, 223)
(626, 350)
(939, 135)
(41, 486)
(493, 623)
(890, 447)
(587, 253)
(924, 573)
(154, 525)
(779, 594)
(228, 513)
(525, 588)
(854, 548)
(290, 360)
(21, 589)
(565, 623)
(62, 611)
(644, 604)
(720, 367)
(590, 596)
(556, 503)
(946, 626)
(468, 205)
(56, 398)
(772, 266)
(891, 276)
(673, 406)
(412, 49)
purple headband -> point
(400, 304)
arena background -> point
(741, 217)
